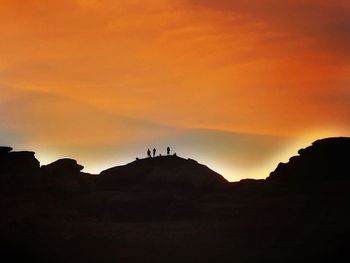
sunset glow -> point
(236, 86)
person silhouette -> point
(149, 153)
(154, 152)
(168, 150)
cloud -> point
(119, 75)
(50, 119)
(327, 23)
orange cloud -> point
(92, 72)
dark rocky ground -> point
(164, 210)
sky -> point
(237, 85)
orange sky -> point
(238, 85)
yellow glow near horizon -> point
(231, 172)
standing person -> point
(149, 153)
(168, 150)
(154, 152)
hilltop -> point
(164, 170)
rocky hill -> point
(163, 170)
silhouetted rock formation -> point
(18, 167)
(65, 175)
(63, 167)
(24, 161)
(56, 214)
(325, 160)
(13, 162)
(164, 170)
(5, 150)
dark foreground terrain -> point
(169, 209)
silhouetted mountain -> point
(325, 160)
(140, 212)
(163, 170)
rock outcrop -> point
(5, 150)
(325, 160)
(65, 175)
(18, 167)
(24, 161)
(22, 169)
(14, 162)
(63, 167)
